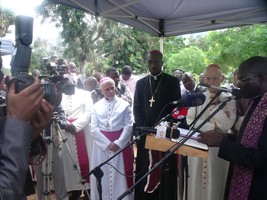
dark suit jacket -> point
(15, 142)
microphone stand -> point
(170, 151)
(98, 173)
(166, 117)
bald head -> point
(188, 81)
(72, 67)
(91, 83)
(213, 76)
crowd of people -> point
(104, 115)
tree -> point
(93, 42)
(191, 59)
(124, 45)
(79, 31)
(42, 49)
(230, 47)
(7, 18)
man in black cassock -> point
(152, 93)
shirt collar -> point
(156, 77)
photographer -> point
(27, 115)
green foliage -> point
(190, 59)
(92, 42)
(42, 49)
(79, 31)
(228, 48)
(123, 45)
(7, 18)
(97, 43)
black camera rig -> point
(54, 84)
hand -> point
(70, 128)
(113, 147)
(23, 105)
(212, 138)
(41, 118)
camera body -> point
(53, 86)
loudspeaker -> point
(24, 29)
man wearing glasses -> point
(247, 153)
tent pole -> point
(161, 44)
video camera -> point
(53, 84)
(55, 66)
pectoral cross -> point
(151, 101)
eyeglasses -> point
(242, 81)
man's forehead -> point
(108, 85)
(212, 72)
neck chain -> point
(152, 100)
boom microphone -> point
(191, 100)
(238, 93)
(170, 133)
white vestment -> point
(77, 106)
(109, 116)
(207, 177)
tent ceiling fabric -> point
(176, 17)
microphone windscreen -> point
(179, 113)
(195, 99)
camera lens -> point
(52, 93)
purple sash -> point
(242, 176)
(127, 155)
(82, 152)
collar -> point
(156, 77)
(111, 100)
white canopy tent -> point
(6, 47)
(176, 17)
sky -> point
(27, 7)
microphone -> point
(179, 113)
(170, 133)
(238, 93)
(191, 100)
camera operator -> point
(27, 115)
(74, 71)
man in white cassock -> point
(111, 129)
(207, 177)
(77, 137)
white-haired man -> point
(207, 177)
(111, 129)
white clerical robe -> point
(77, 107)
(109, 116)
(207, 177)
